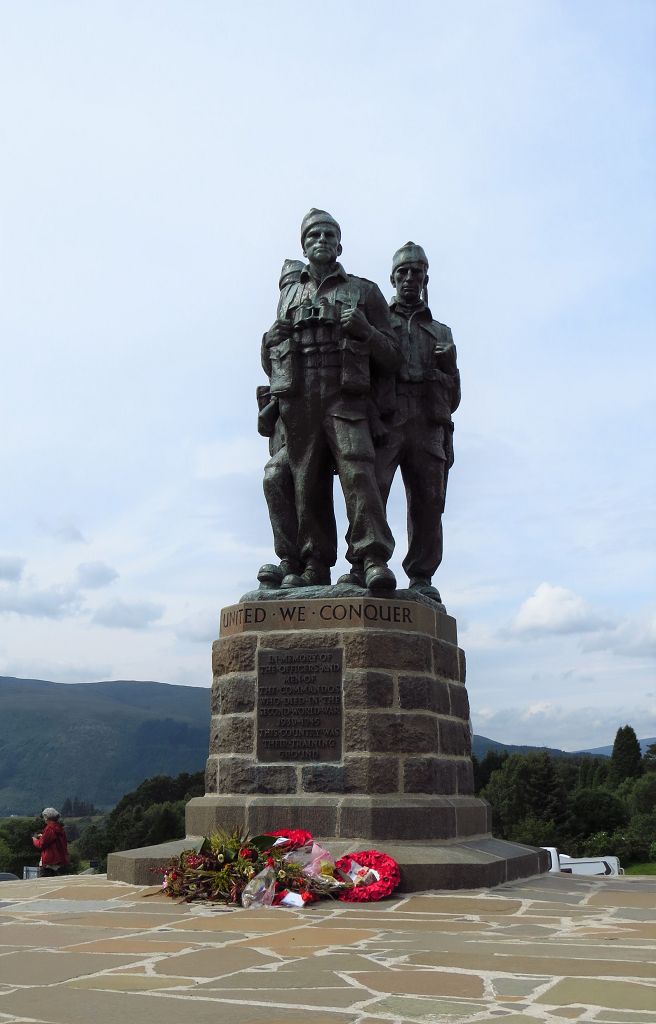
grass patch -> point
(647, 868)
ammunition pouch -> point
(263, 396)
(283, 367)
(355, 375)
(267, 418)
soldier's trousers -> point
(420, 455)
(323, 434)
(281, 502)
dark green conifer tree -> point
(626, 759)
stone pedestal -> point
(400, 761)
(349, 716)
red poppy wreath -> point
(385, 867)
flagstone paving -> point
(554, 948)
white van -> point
(562, 863)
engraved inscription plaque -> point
(299, 705)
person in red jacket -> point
(53, 845)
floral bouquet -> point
(282, 868)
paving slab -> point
(77, 1006)
(272, 922)
(55, 907)
(36, 934)
(303, 941)
(546, 965)
(624, 995)
(29, 966)
(128, 922)
(342, 996)
(211, 963)
(442, 983)
(429, 1011)
(128, 982)
(624, 898)
(144, 944)
(626, 1017)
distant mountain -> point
(607, 751)
(100, 740)
(95, 740)
(481, 745)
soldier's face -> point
(321, 244)
(408, 280)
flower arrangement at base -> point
(282, 868)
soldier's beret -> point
(409, 253)
(313, 217)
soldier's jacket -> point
(318, 342)
(428, 381)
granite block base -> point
(413, 817)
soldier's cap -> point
(315, 216)
(410, 252)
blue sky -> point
(157, 160)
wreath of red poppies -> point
(388, 869)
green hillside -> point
(96, 741)
(481, 745)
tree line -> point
(583, 805)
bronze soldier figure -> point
(278, 483)
(332, 335)
(419, 436)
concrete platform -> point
(455, 864)
(554, 948)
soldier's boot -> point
(354, 578)
(423, 585)
(271, 576)
(315, 574)
(379, 579)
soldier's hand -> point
(280, 330)
(355, 322)
(445, 358)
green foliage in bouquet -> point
(227, 861)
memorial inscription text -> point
(299, 705)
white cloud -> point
(93, 575)
(541, 708)
(11, 568)
(553, 609)
(65, 531)
(242, 456)
(634, 637)
(200, 628)
(128, 614)
(51, 603)
(558, 725)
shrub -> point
(598, 845)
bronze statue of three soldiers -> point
(357, 389)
